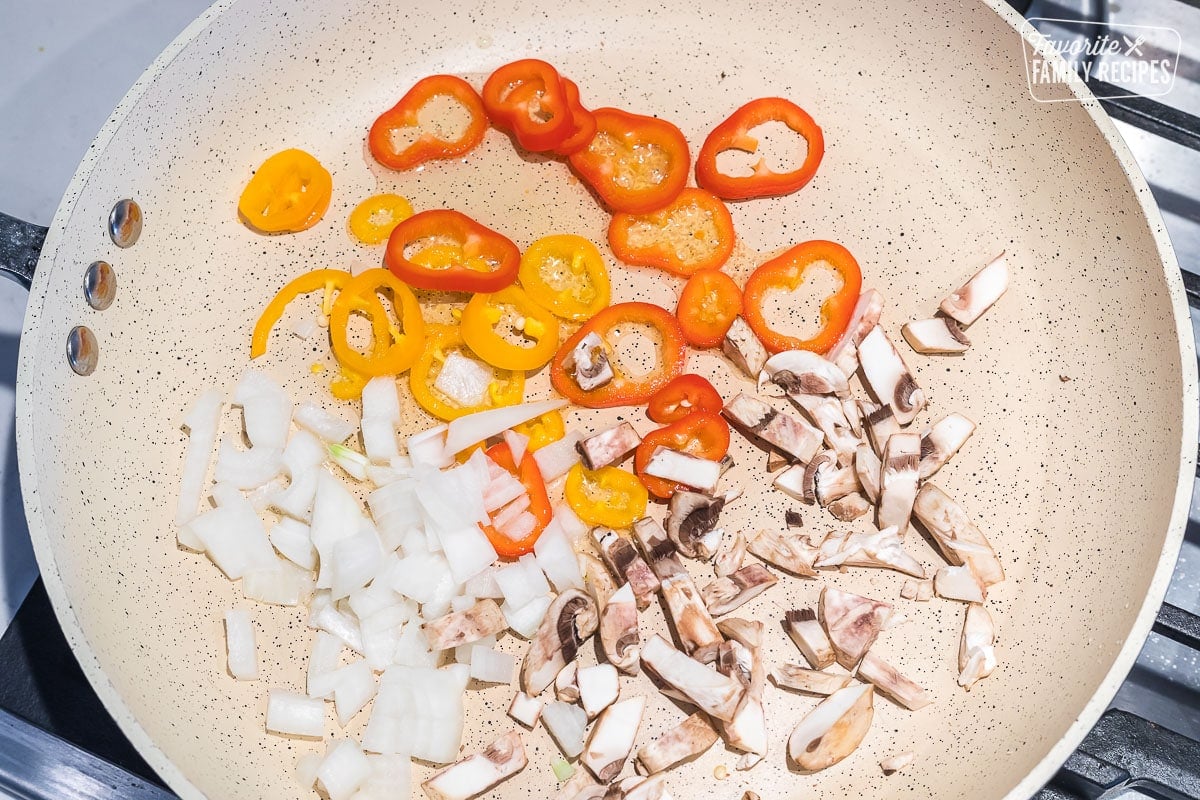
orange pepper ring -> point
(359, 295)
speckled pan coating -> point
(937, 158)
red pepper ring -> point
(682, 396)
(786, 272)
(636, 164)
(733, 134)
(704, 434)
(476, 241)
(528, 99)
(406, 113)
(622, 390)
(583, 122)
(539, 502)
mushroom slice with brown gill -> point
(588, 363)
(800, 480)
(623, 558)
(788, 551)
(654, 542)
(898, 481)
(949, 525)
(959, 583)
(570, 620)
(692, 523)
(609, 446)
(881, 424)
(480, 620)
(888, 377)
(882, 549)
(852, 621)
(679, 467)
(788, 434)
(829, 415)
(612, 739)
(834, 484)
(803, 372)
(726, 594)
(744, 349)
(806, 631)
(868, 467)
(597, 577)
(943, 439)
(525, 709)
(967, 303)
(731, 553)
(713, 693)
(619, 635)
(894, 764)
(834, 729)
(566, 689)
(976, 651)
(937, 336)
(850, 507)
(810, 681)
(476, 774)
(599, 686)
(864, 317)
(888, 680)
(689, 738)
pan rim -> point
(1037, 777)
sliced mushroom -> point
(612, 739)
(623, 558)
(889, 681)
(570, 620)
(959, 583)
(967, 303)
(581, 786)
(908, 590)
(850, 507)
(894, 764)
(806, 631)
(882, 549)
(803, 372)
(725, 594)
(588, 363)
(609, 446)
(776, 461)
(834, 484)
(744, 349)
(949, 525)
(713, 693)
(868, 468)
(864, 317)
(619, 630)
(829, 415)
(925, 590)
(793, 519)
(688, 614)
(800, 481)
(480, 620)
(599, 685)
(747, 731)
(692, 524)
(888, 377)
(679, 467)
(810, 681)
(731, 552)
(686, 740)
(597, 577)
(898, 481)
(635, 787)
(566, 689)
(788, 434)
(834, 729)
(852, 621)
(942, 441)
(654, 542)
(525, 709)
(787, 551)
(976, 651)
(476, 774)
(852, 410)
(936, 336)
(881, 425)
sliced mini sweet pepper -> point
(734, 134)
(374, 219)
(289, 192)
(610, 496)
(402, 345)
(583, 122)
(527, 98)
(508, 330)
(539, 502)
(693, 232)
(482, 260)
(623, 389)
(682, 396)
(442, 342)
(704, 434)
(565, 274)
(786, 273)
(391, 130)
(327, 280)
(635, 163)
(543, 430)
(708, 304)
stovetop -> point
(66, 66)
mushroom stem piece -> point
(609, 446)
(786, 551)
(622, 557)
(833, 729)
(852, 621)
(889, 681)
(888, 377)
(716, 694)
(784, 432)
(588, 363)
(967, 303)
(800, 372)
(525, 709)
(865, 317)
(476, 774)
(898, 481)
(850, 507)
(881, 424)
(942, 441)
(959, 583)
(809, 681)
(744, 349)
(976, 654)
(480, 620)
(687, 739)
(570, 620)
(935, 336)
(958, 539)
(619, 631)
(868, 468)
(611, 740)
(806, 631)
(829, 415)
(731, 552)
(882, 549)
(894, 764)
(728, 593)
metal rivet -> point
(82, 350)
(125, 222)
(100, 285)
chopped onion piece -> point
(247, 469)
(355, 561)
(291, 714)
(306, 770)
(390, 779)
(325, 426)
(353, 688)
(524, 621)
(291, 538)
(302, 329)
(379, 439)
(517, 443)
(567, 724)
(490, 666)
(556, 459)
(570, 522)
(380, 400)
(556, 558)
(395, 510)
(419, 712)
(202, 422)
(525, 709)
(336, 516)
(285, 584)
(239, 644)
(428, 448)
(266, 409)
(412, 648)
(233, 535)
(482, 425)
(325, 616)
(484, 584)
(343, 770)
(322, 664)
(522, 581)
(354, 463)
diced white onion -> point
(324, 615)
(491, 666)
(233, 535)
(484, 585)
(412, 648)
(428, 448)
(266, 409)
(467, 551)
(322, 664)
(379, 438)
(390, 779)
(239, 644)
(524, 620)
(284, 585)
(419, 712)
(570, 522)
(462, 653)
(557, 559)
(304, 328)
(325, 426)
(291, 714)
(306, 770)
(482, 425)
(520, 527)
(291, 538)
(344, 769)
(247, 469)
(522, 581)
(380, 400)
(301, 460)
(502, 490)
(567, 723)
(353, 687)
(201, 421)
(555, 459)
(375, 596)
(353, 462)
(355, 561)
(517, 443)
(336, 516)
(395, 510)
(504, 517)
(464, 380)
(420, 576)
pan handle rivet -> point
(100, 285)
(125, 222)
(82, 350)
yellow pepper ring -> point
(610, 496)
(566, 275)
(290, 191)
(543, 430)
(372, 220)
(318, 279)
(403, 349)
(485, 311)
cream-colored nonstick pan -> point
(1082, 378)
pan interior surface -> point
(936, 160)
